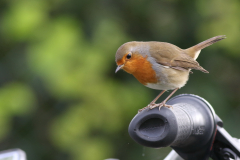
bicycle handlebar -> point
(189, 127)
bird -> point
(160, 65)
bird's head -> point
(128, 57)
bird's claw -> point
(163, 104)
(159, 105)
(140, 110)
(150, 106)
(168, 106)
(154, 105)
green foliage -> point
(57, 71)
(23, 18)
(16, 99)
(222, 19)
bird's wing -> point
(187, 62)
(174, 57)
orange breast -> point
(141, 69)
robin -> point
(160, 65)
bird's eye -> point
(129, 55)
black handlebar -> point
(189, 127)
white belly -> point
(170, 79)
(159, 86)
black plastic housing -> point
(188, 127)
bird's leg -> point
(155, 99)
(163, 103)
(152, 104)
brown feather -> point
(192, 50)
(174, 57)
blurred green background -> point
(60, 98)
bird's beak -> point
(119, 67)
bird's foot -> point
(168, 106)
(150, 106)
(154, 105)
(140, 110)
(160, 105)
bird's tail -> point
(195, 50)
